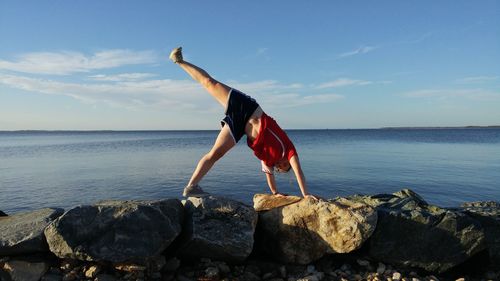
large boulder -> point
(22, 233)
(2, 214)
(488, 214)
(218, 228)
(305, 231)
(24, 269)
(410, 232)
(116, 231)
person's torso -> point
(252, 127)
(270, 143)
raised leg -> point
(223, 144)
(217, 89)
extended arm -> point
(272, 183)
(297, 169)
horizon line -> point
(297, 129)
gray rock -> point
(305, 231)
(218, 228)
(172, 264)
(22, 233)
(411, 232)
(22, 270)
(488, 214)
(116, 231)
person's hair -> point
(283, 171)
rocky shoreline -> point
(361, 237)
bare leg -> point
(222, 145)
(217, 89)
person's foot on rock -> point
(194, 191)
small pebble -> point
(396, 276)
(381, 268)
(364, 263)
(357, 277)
(92, 271)
(460, 279)
(224, 268)
(267, 275)
(282, 270)
(433, 278)
(72, 275)
(310, 269)
(212, 272)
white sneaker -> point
(194, 191)
(176, 55)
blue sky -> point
(94, 65)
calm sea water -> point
(64, 169)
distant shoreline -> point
(438, 128)
(208, 130)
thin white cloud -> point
(264, 86)
(473, 94)
(180, 94)
(296, 100)
(343, 82)
(164, 94)
(358, 51)
(67, 62)
(122, 77)
(477, 79)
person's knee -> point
(215, 155)
(208, 82)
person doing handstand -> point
(244, 116)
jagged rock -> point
(411, 232)
(172, 264)
(25, 270)
(488, 214)
(305, 231)
(264, 202)
(22, 233)
(116, 231)
(218, 228)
